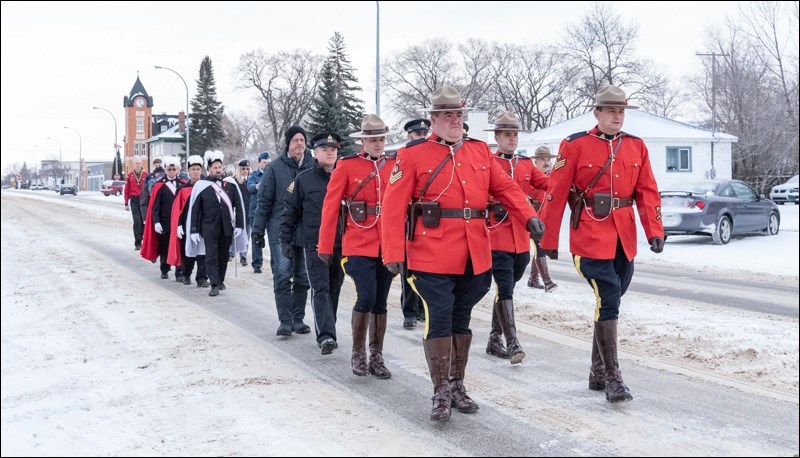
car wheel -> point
(773, 224)
(722, 234)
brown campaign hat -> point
(506, 121)
(446, 98)
(372, 126)
(542, 152)
(611, 96)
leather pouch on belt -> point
(602, 204)
(499, 211)
(431, 214)
(358, 210)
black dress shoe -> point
(301, 328)
(410, 322)
(244, 261)
(203, 283)
(327, 346)
(214, 291)
(187, 281)
(179, 279)
(222, 287)
(285, 329)
(137, 247)
(164, 276)
(257, 270)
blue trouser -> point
(372, 281)
(609, 278)
(507, 270)
(326, 283)
(448, 299)
(290, 283)
(257, 251)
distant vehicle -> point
(68, 189)
(718, 208)
(112, 188)
(786, 192)
(37, 187)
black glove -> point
(287, 251)
(536, 227)
(394, 267)
(258, 240)
(656, 244)
(552, 254)
(326, 258)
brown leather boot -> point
(495, 345)
(360, 322)
(458, 365)
(377, 330)
(437, 353)
(533, 280)
(597, 376)
(505, 312)
(545, 273)
(616, 391)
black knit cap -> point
(291, 132)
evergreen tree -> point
(336, 107)
(205, 128)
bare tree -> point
(286, 83)
(531, 82)
(604, 49)
(474, 78)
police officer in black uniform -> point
(303, 212)
(417, 130)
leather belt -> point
(466, 213)
(616, 202)
(374, 210)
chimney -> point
(181, 122)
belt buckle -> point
(467, 213)
(615, 203)
(377, 210)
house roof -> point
(637, 122)
(170, 135)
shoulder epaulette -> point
(576, 135)
(418, 141)
(349, 156)
(629, 135)
(526, 158)
(390, 154)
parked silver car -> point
(786, 192)
(718, 208)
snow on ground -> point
(194, 362)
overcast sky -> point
(60, 59)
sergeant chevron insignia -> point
(396, 173)
(559, 164)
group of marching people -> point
(445, 213)
(195, 221)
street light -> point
(158, 67)
(60, 161)
(80, 157)
(116, 145)
(378, 58)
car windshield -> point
(705, 187)
(794, 180)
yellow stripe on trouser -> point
(344, 261)
(535, 251)
(598, 301)
(411, 281)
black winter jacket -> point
(273, 192)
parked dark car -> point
(718, 208)
(68, 189)
(112, 188)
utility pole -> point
(377, 58)
(713, 173)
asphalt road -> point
(540, 407)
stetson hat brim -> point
(612, 104)
(501, 128)
(371, 134)
(445, 108)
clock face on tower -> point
(139, 102)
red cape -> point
(174, 257)
(149, 249)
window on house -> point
(679, 159)
(135, 149)
(139, 125)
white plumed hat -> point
(213, 156)
(194, 159)
(170, 161)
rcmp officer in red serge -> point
(510, 239)
(542, 161)
(449, 180)
(418, 130)
(603, 245)
(357, 186)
